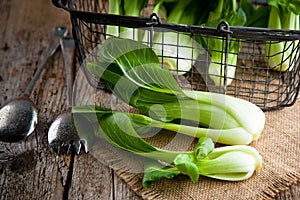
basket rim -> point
(139, 22)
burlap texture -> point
(279, 146)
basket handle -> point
(59, 3)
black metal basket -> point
(252, 77)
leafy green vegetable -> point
(177, 51)
(232, 163)
(226, 10)
(284, 14)
(203, 148)
(133, 8)
(185, 164)
(143, 124)
(256, 16)
(154, 172)
(128, 8)
(146, 86)
(114, 7)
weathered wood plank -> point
(33, 172)
(91, 180)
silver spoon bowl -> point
(62, 133)
(18, 117)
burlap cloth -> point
(279, 146)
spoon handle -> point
(58, 33)
(67, 47)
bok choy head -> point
(225, 10)
(128, 8)
(177, 51)
(285, 14)
(137, 78)
(231, 163)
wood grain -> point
(29, 169)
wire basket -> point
(253, 76)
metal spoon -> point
(18, 117)
(62, 133)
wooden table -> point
(36, 172)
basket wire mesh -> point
(253, 79)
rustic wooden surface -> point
(29, 169)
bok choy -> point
(257, 16)
(144, 124)
(283, 15)
(128, 8)
(231, 163)
(115, 8)
(177, 51)
(226, 10)
(131, 70)
(133, 8)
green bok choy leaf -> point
(132, 72)
(257, 16)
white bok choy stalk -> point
(133, 8)
(115, 8)
(128, 8)
(132, 72)
(226, 10)
(177, 51)
(282, 55)
(216, 69)
(144, 124)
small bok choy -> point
(231, 163)
(144, 124)
(129, 8)
(257, 16)
(284, 14)
(115, 8)
(177, 51)
(226, 10)
(131, 70)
